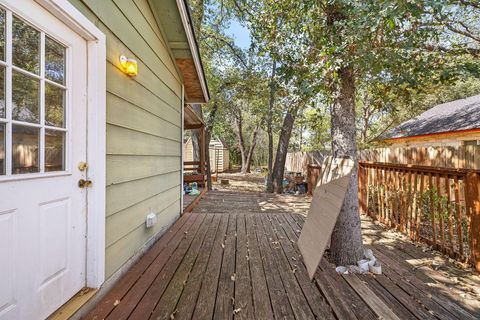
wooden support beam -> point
(473, 211)
(202, 150)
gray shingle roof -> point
(458, 115)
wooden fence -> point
(299, 161)
(439, 206)
(466, 156)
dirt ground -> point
(240, 182)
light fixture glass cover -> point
(129, 66)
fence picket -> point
(414, 207)
(432, 210)
(449, 212)
(422, 207)
(440, 211)
(458, 210)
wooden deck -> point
(235, 256)
(189, 201)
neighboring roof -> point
(174, 18)
(459, 115)
(221, 141)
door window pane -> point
(25, 145)
(26, 46)
(2, 149)
(54, 105)
(54, 61)
(25, 98)
(33, 82)
(54, 150)
(2, 92)
(2, 35)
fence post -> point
(472, 201)
(361, 189)
(309, 183)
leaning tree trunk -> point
(196, 133)
(282, 149)
(241, 141)
(346, 244)
(270, 187)
(253, 144)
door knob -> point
(82, 183)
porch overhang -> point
(191, 120)
(173, 16)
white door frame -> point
(96, 133)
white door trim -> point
(96, 133)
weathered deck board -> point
(314, 298)
(243, 293)
(246, 265)
(280, 303)
(348, 302)
(261, 300)
(169, 241)
(166, 305)
(206, 299)
(145, 306)
(226, 284)
(295, 295)
(185, 307)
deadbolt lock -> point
(82, 166)
(82, 183)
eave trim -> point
(187, 25)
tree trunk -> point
(282, 149)
(208, 136)
(366, 114)
(196, 133)
(270, 187)
(240, 140)
(252, 147)
(346, 242)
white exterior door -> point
(43, 138)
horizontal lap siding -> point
(143, 127)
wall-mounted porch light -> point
(129, 66)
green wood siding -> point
(143, 127)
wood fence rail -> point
(439, 206)
(299, 161)
(464, 156)
(194, 172)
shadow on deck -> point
(235, 256)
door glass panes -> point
(2, 92)
(26, 46)
(25, 98)
(54, 105)
(2, 148)
(54, 150)
(33, 119)
(54, 61)
(25, 149)
(2, 35)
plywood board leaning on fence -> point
(324, 210)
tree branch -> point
(474, 4)
(465, 33)
(438, 48)
(232, 48)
